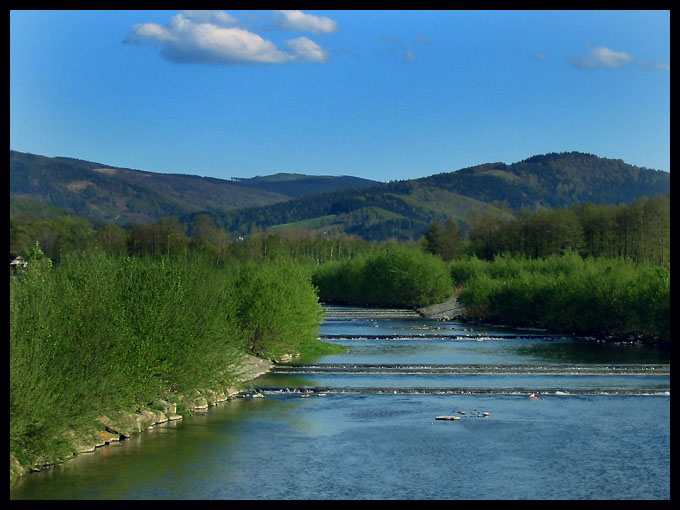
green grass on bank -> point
(97, 333)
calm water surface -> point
(367, 429)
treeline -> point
(97, 333)
(60, 232)
(601, 297)
(639, 231)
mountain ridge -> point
(552, 180)
(370, 209)
(106, 193)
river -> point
(536, 417)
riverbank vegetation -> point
(396, 276)
(605, 298)
(639, 232)
(97, 333)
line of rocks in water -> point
(119, 425)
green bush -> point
(98, 333)
(602, 297)
(396, 276)
(276, 308)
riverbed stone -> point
(199, 404)
(106, 437)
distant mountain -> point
(28, 210)
(105, 193)
(368, 209)
(405, 209)
(554, 180)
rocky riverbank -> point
(119, 425)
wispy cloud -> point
(298, 20)
(397, 46)
(655, 66)
(218, 37)
(602, 57)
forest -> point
(639, 231)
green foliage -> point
(276, 308)
(56, 230)
(395, 276)
(443, 240)
(600, 297)
(639, 231)
(97, 333)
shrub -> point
(99, 333)
(603, 297)
(396, 276)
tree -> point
(112, 238)
(443, 240)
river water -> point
(364, 424)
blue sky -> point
(384, 95)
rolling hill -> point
(104, 193)
(369, 209)
(405, 209)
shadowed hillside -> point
(120, 195)
(404, 209)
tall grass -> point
(396, 276)
(602, 297)
(98, 333)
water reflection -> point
(589, 351)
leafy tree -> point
(443, 240)
(113, 239)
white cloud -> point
(213, 37)
(217, 17)
(298, 20)
(307, 50)
(602, 57)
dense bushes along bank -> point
(394, 276)
(601, 297)
(609, 297)
(99, 333)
